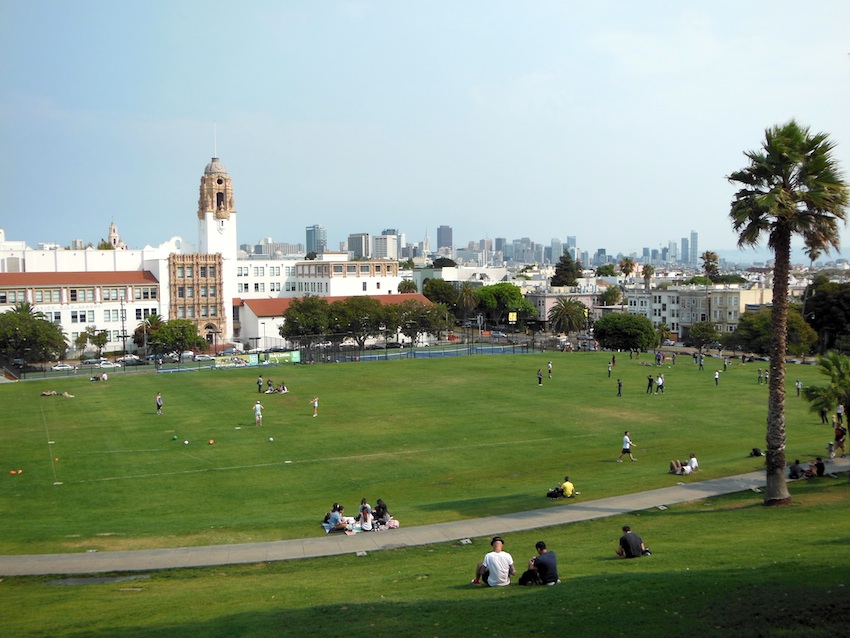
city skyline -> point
(613, 123)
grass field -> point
(438, 440)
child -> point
(315, 402)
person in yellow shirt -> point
(567, 488)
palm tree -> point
(627, 266)
(791, 186)
(709, 264)
(837, 392)
(567, 315)
(663, 333)
(407, 285)
(648, 271)
(466, 299)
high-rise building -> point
(686, 250)
(385, 247)
(317, 239)
(444, 237)
(360, 245)
(557, 250)
(694, 247)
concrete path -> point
(329, 545)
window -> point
(378, 285)
(337, 269)
(57, 317)
(38, 296)
(364, 286)
(106, 315)
(189, 272)
(191, 314)
(203, 311)
(364, 269)
(190, 292)
(72, 294)
(202, 290)
(211, 291)
(259, 287)
(180, 272)
(212, 311)
(138, 314)
(203, 271)
(212, 272)
(57, 295)
(181, 292)
(181, 312)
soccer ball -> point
(185, 442)
(271, 439)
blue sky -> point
(616, 122)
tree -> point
(754, 328)
(611, 296)
(700, 334)
(105, 245)
(710, 264)
(407, 285)
(305, 319)
(407, 264)
(836, 368)
(625, 332)
(648, 271)
(606, 270)
(444, 262)
(359, 317)
(466, 300)
(98, 338)
(567, 271)
(791, 186)
(142, 333)
(26, 333)
(440, 291)
(627, 266)
(178, 335)
(663, 333)
(499, 299)
(567, 315)
(828, 311)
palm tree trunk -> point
(777, 489)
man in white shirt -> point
(497, 567)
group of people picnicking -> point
(368, 518)
(54, 393)
(498, 565)
(271, 388)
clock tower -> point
(217, 212)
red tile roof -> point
(46, 279)
(277, 307)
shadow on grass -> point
(739, 602)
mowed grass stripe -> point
(438, 439)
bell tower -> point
(216, 212)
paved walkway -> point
(330, 545)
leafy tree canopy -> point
(567, 271)
(407, 286)
(701, 334)
(625, 332)
(606, 270)
(26, 333)
(755, 328)
(440, 291)
(444, 262)
(178, 335)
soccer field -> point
(437, 439)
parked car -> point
(127, 357)
(64, 367)
(93, 362)
(108, 364)
(669, 342)
(136, 362)
(204, 357)
(498, 334)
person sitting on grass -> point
(568, 490)
(49, 393)
(338, 522)
(689, 467)
(796, 471)
(497, 567)
(631, 545)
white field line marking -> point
(323, 460)
(49, 444)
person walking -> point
(550, 369)
(717, 377)
(539, 377)
(258, 414)
(627, 448)
(619, 388)
(799, 385)
(609, 370)
(159, 402)
(315, 403)
(260, 384)
(649, 383)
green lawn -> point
(438, 440)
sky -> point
(614, 122)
